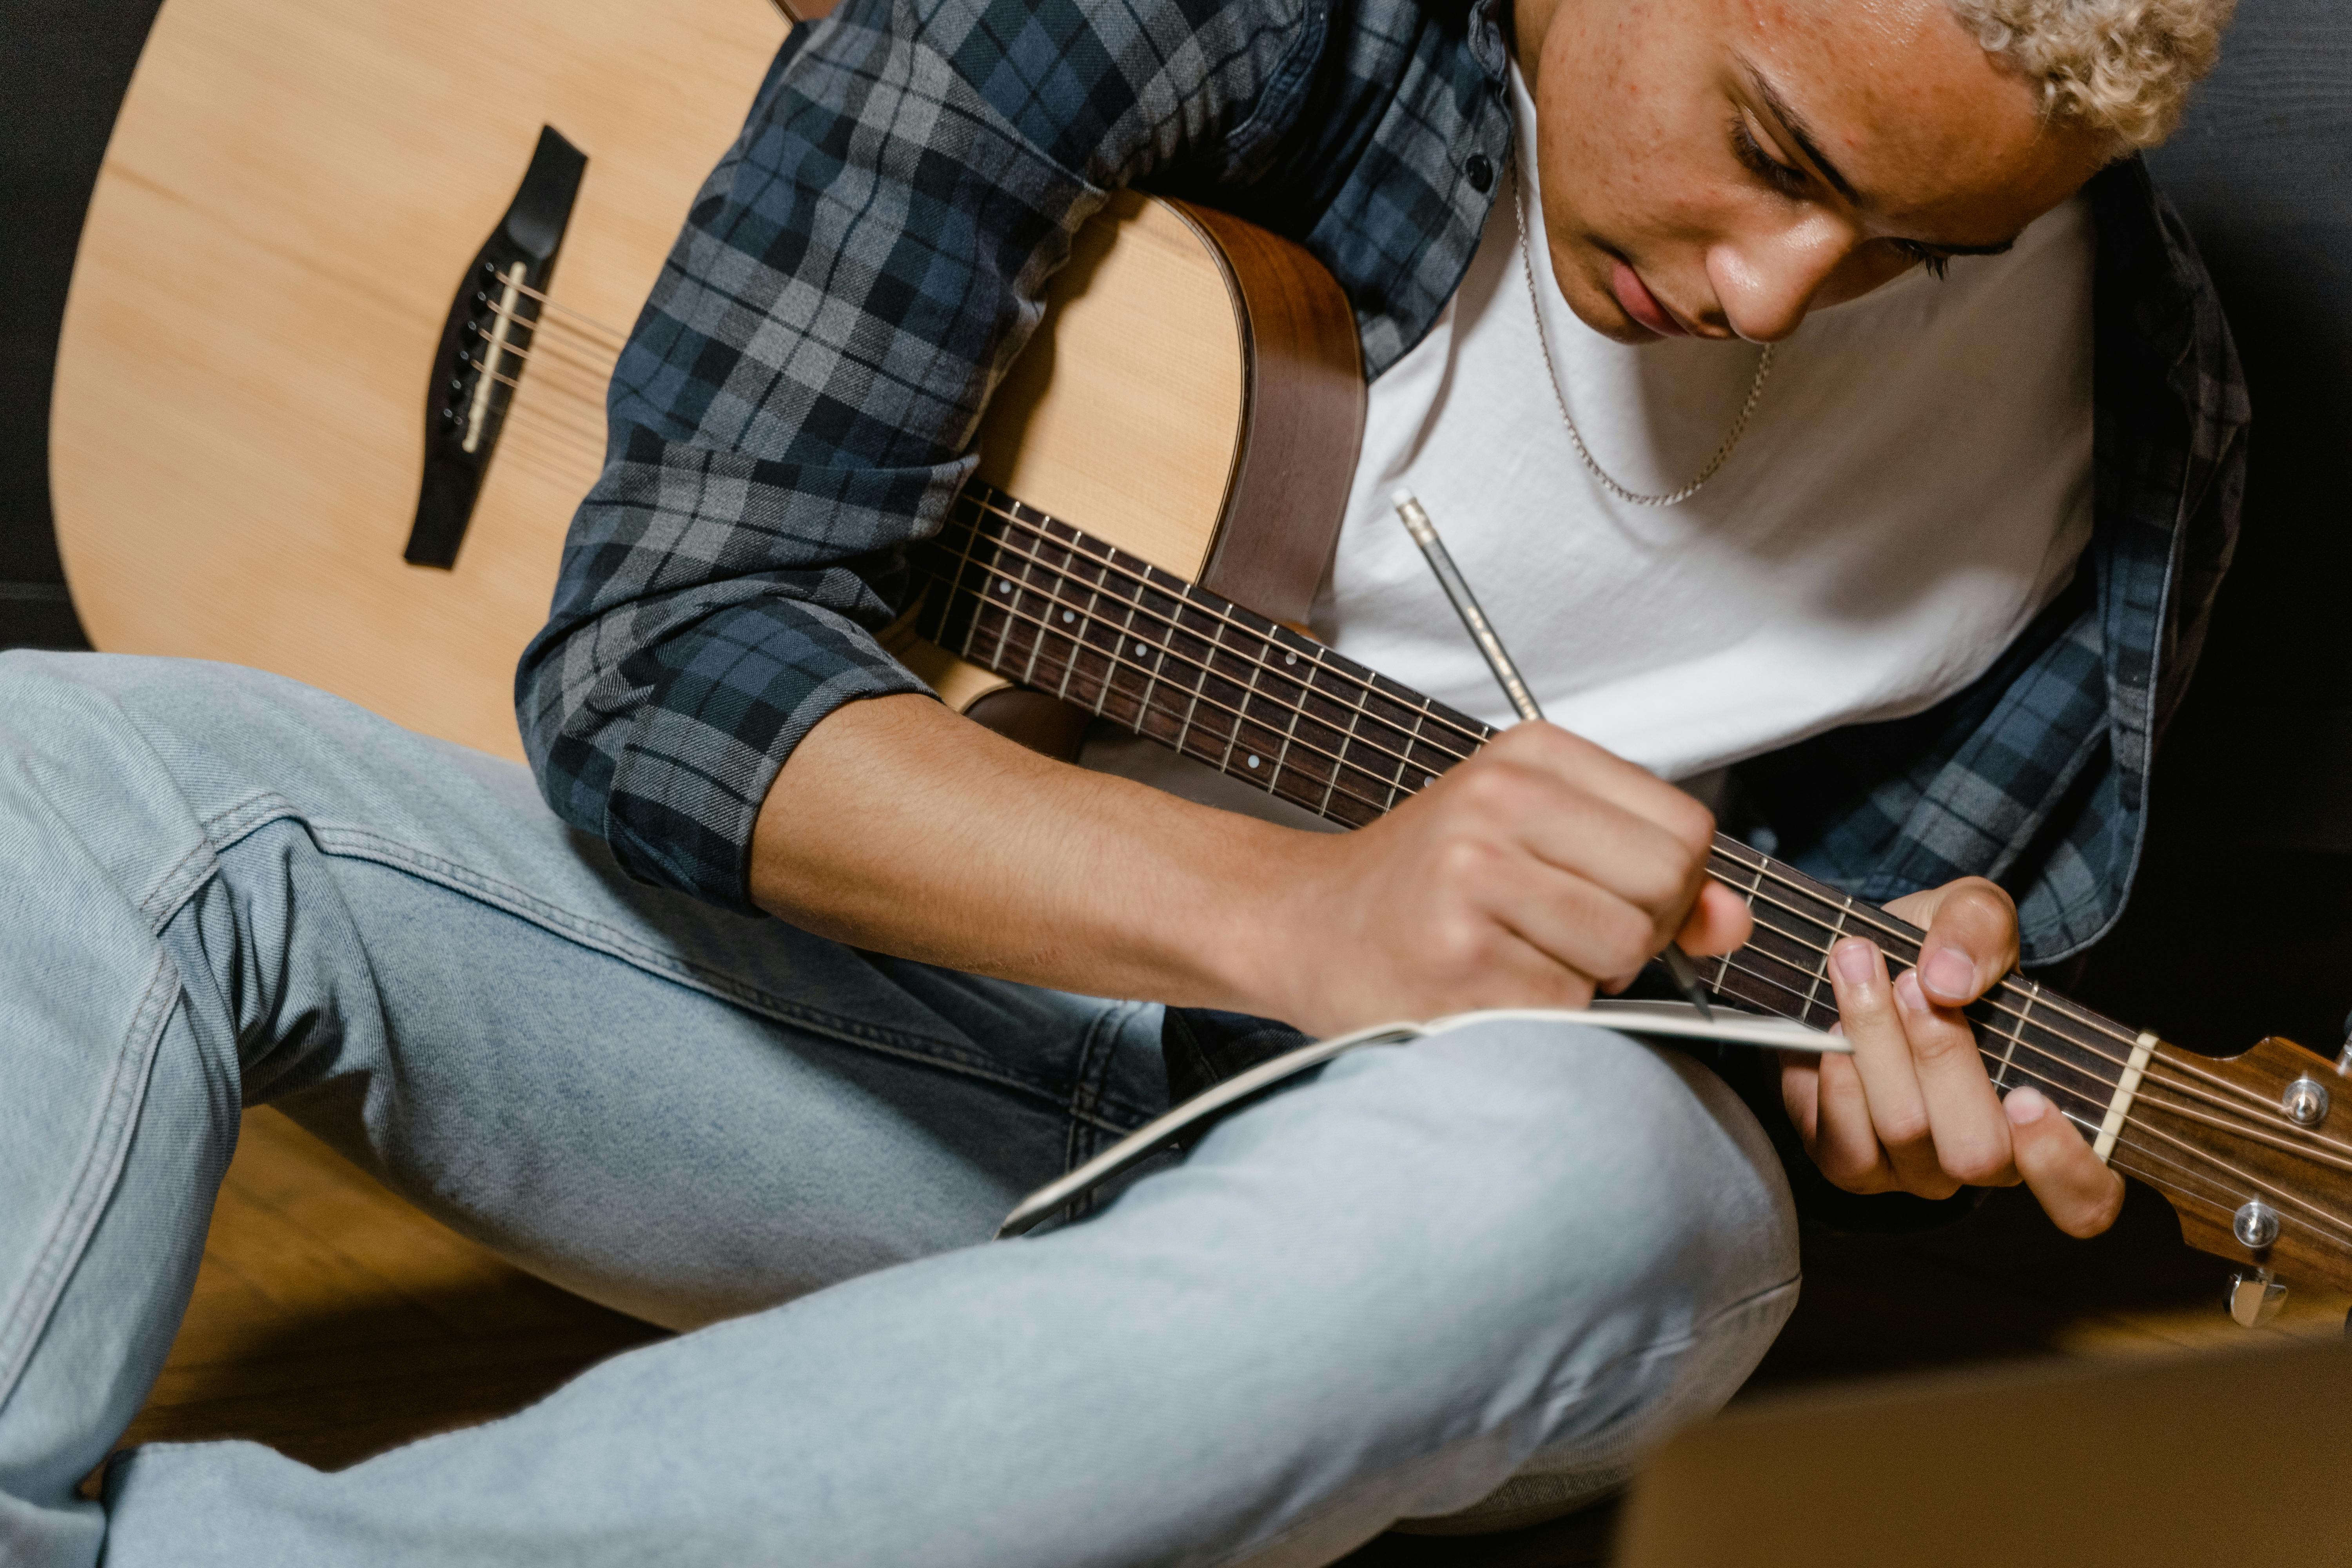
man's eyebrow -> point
(1802, 134)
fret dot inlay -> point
(1253, 762)
(1003, 585)
(1069, 615)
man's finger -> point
(2079, 1194)
(1971, 941)
(1882, 1057)
(1963, 1113)
(1800, 1095)
(1720, 921)
(1845, 1142)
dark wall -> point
(64, 65)
(2241, 925)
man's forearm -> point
(901, 827)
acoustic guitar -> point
(326, 400)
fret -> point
(1355, 716)
(1198, 660)
(972, 537)
(1836, 933)
(1142, 703)
(1093, 621)
(1003, 586)
(1045, 620)
(1200, 684)
(1240, 717)
(1755, 886)
(1290, 733)
(1406, 763)
(2016, 1037)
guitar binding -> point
(485, 346)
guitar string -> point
(1184, 593)
(571, 437)
(2325, 1219)
(2016, 1035)
(2031, 992)
(1904, 933)
(1117, 660)
(2082, 1123)
(577, 321)
(511, 383)
(551, 379)
(556, 350)
(1406, 764)
(2063, 1005)
(1040, 650)
(2036, 995)
(2273, 1120)
(2019, 1013)
(2241, 1128)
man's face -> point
(1719, 167)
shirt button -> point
(1481, 171)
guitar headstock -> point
(2254, 1152)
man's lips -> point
(1634, 297)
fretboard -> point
(1037, 601)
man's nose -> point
(1765, 283)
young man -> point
(1934, 608)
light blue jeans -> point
(1515, 1252)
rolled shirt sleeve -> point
(795, 404)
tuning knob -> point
(2255, 1225)
(2305, 1100)
(2255, 1299)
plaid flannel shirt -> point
(797, 401)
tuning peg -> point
(2255, 1299)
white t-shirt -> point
(1914, 489)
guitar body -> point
(309, 419)
(290, 202)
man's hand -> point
(1913, 1109)
(1539, 871)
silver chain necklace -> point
(1552, 373)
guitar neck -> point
(1041, 603)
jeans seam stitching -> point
(1094, 1059)
(361, 844)
(85, 1199)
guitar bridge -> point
(486, 346)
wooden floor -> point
(331, 1320)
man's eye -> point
(1937, 263)
(1781, 177)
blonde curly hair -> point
(2121, 67)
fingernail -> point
(1949, 970)
(2025, 1106)
(1907, 992)
(1857, 958)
